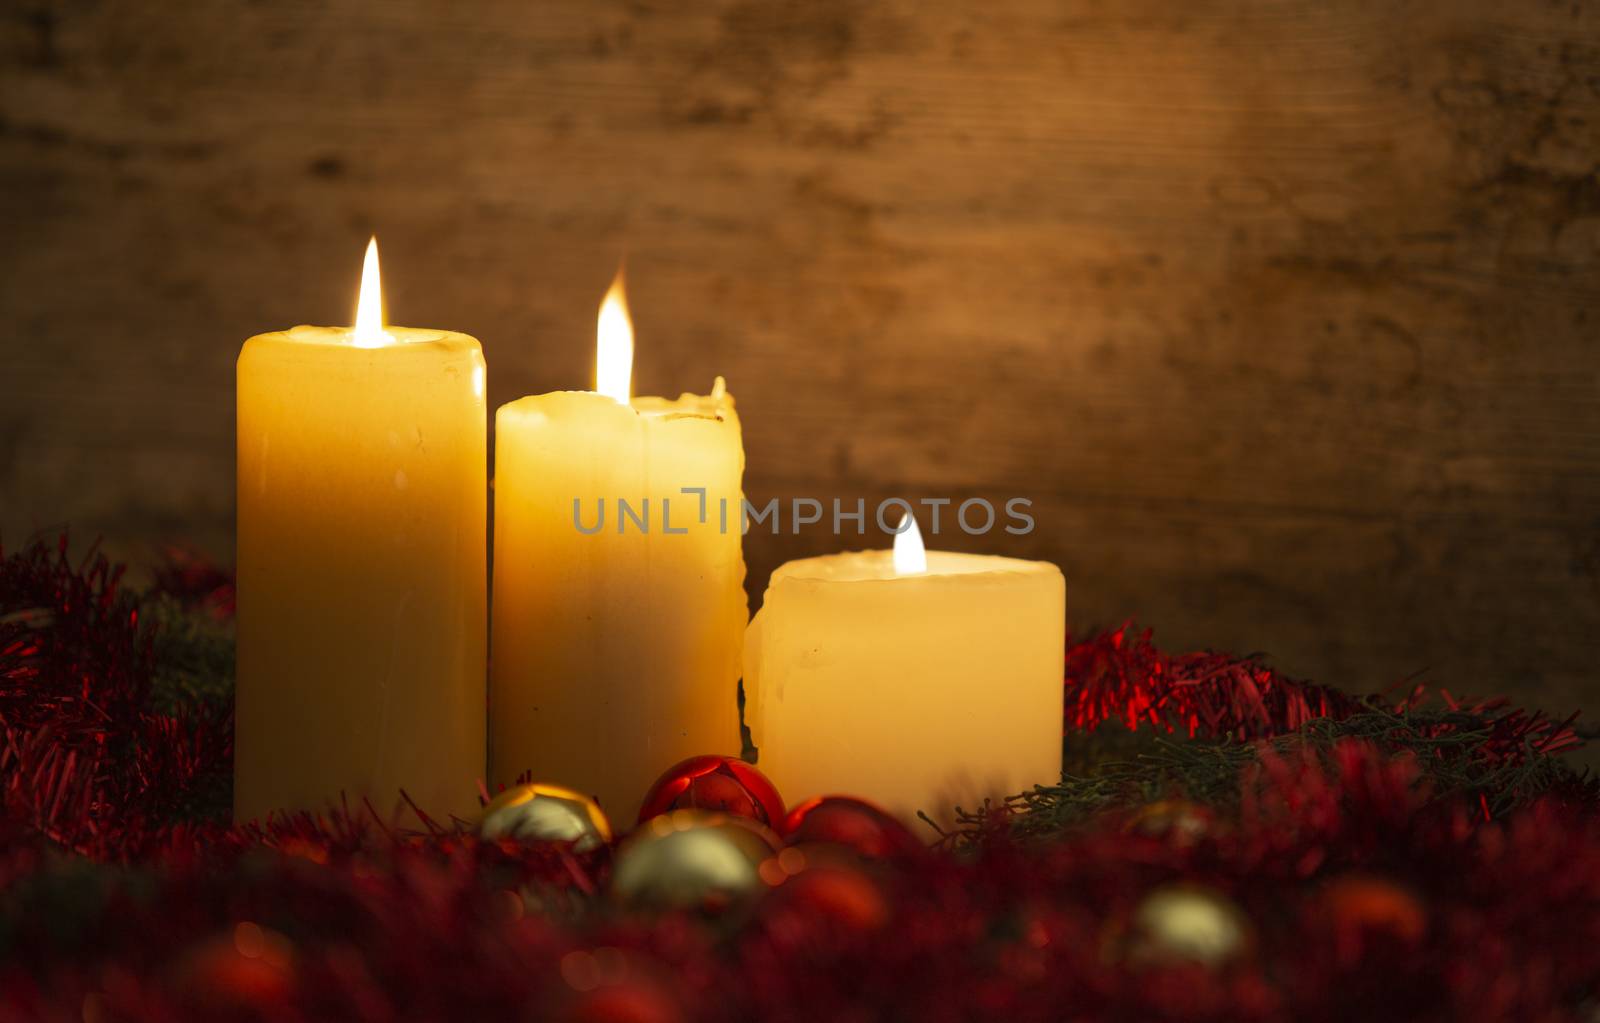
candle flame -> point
(613, 368)
(369, 332)
(910, 557)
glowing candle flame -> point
(613, 367)
(910, 557)
(369, 332)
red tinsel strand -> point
(195, 581)
(71, 651)
(86, 761)
(1120, 675)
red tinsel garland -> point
(1363, 896)
(84, 760)
(340, 920)
(1120, 676)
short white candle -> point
(918, 680)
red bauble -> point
(1371, 916)
(826, 882)
(250, 970)
(850, 822)
(713, 782)
(612, 985)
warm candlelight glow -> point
(369, 332)
(910, 557)
(613, 373)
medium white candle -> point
(616, 650)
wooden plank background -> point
(1283, 312)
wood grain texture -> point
(1283, 312)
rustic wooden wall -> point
(1282, 311)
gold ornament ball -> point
(545, 813)
(692, 859)
(1188, 923)
(1179, 822)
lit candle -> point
(921, 680)
(619, 605)
(361, 558)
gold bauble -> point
(545, 813)
(692, 859)
(1188, 923)
(1179, 822)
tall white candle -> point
(362, 619)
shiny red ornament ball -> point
(713, 782)
(850, 822)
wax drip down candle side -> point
(619, 607)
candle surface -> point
(919, 690)
(362, 619)
(617, 644)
